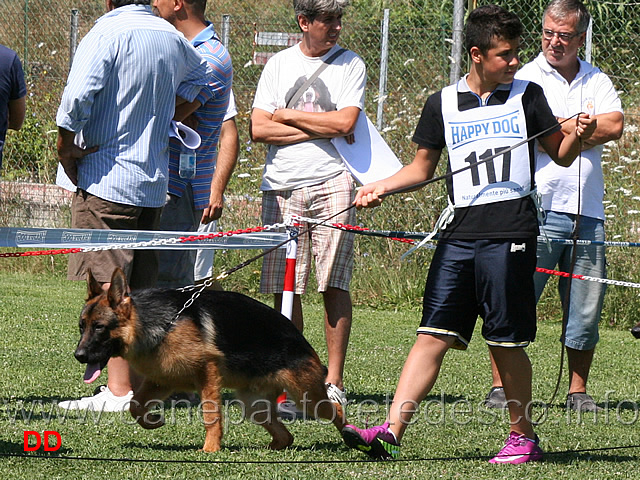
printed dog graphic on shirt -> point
(315, 99)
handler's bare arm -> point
(339, 123)
(609, 127)
(563, 147)
(228, 149)
(288, 126)
(420, 169)
(16, 113)
(183, 112)
(69, 153)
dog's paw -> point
(280, 443)
(210, 448)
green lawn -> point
(452, 436)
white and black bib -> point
(476, 134)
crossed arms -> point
(287, 126)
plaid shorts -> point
(332, 249)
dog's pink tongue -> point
(92, 372)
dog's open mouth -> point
(92, 372)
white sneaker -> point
(336, 395)
(288, 410)
(105, 401)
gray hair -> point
(312, 8)
(563, 9)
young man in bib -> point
(572, 197)
(486, 256)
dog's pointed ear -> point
(93, 286)
(118, 290)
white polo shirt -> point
(590, 92)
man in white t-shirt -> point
(571, 86)
(304, 174)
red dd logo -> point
(46, 435)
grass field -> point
(452, 436)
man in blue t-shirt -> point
(13, 92)
(195, 204)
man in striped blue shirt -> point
(196, 203)
(128, 73)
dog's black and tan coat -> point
(224, 339)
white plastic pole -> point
(289, 274)
(384, 62)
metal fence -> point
(418, 62)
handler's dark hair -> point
(488, 23)
(122, 3)
(198, 5)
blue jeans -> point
(586, 297)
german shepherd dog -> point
(223, 339)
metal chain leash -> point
(289, 221)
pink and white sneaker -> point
(377, 442)
(518, 449)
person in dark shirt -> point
(486, 256)
(13, 93)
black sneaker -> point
(582, 402)
(496, 398)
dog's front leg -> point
(211, 403)
(144, 398)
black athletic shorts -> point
(492, 279)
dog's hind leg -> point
(211, 404)
(261, 410)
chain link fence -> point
(418, 62)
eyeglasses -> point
(564, 37)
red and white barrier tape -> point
(153, 243)
(393, 235)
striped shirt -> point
(121, 94)
(210, 115)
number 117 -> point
(491, 168)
